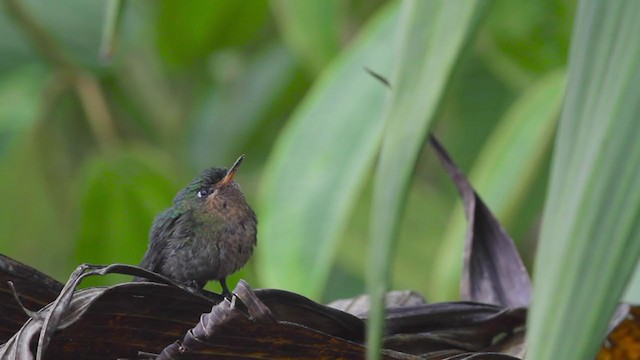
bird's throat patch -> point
(212, 201)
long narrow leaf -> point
(430, 38)
(320, 163)
(591, 226)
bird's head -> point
(214, 192)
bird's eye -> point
(204, 192)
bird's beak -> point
(232, 172)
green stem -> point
(110, 29)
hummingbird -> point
(208, 234)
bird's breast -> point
(226, 239)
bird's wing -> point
(163, 229)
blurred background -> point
(93, 146)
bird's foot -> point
(197, 288)
(225, 290)
(193, 287)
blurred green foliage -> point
(91, 150)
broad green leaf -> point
(190, 30)
(121, 194)
(319, 164)
(589, 239)
(430, 38)
(504, 170)
(312, 28)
